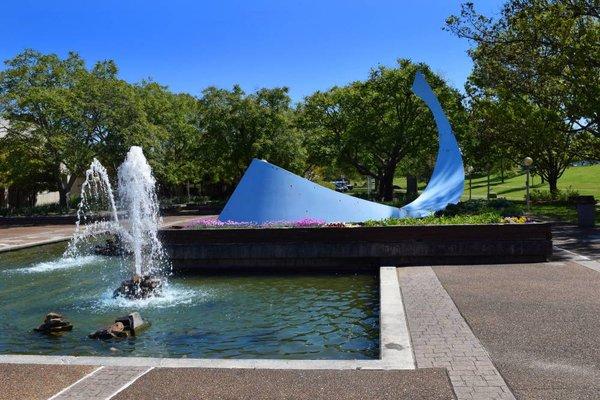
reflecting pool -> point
(299, 316)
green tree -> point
(73, 113)
(536, 78)
(174, 146)
(237, 127)
(22, 171)
(372, 126)
(548, 50)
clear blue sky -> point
(188, 45)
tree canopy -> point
(535, 84)
(70, 113)
(372, 126)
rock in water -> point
(54, 323)
(122, 328)
(115, 331)
(112, 247)
(140, 287)
(133, 322)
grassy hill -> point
(586, 180)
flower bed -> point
(485, 218)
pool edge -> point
(394, 338)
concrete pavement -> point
(583, 241)
(539, 323)
(442, 339)
(19, 237)
(247, 384)
(35, 382)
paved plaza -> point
(478, 332)
(20, 237)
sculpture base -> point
(140, 287)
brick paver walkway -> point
(442, 339)
(102, 384)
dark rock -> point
(133, 322)
(102, 334)
(117, 327)
(54, 324)
(122, 328)
(112, 247)
(140, 287)
(52, 315)
(115, 331)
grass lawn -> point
(586, 180)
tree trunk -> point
(553, 183)
(63, 198)
(386, 185)
(386, 188)
(411, 186)
(64, 189)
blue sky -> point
(189, 45)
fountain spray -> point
(133, 218)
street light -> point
(470, 173)
(527, 161)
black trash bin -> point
(586, 210)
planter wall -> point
(334, 248)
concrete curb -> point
(35, 244)
(395, 345)
(578, 259)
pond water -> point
(334, 316)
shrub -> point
(485, 218)
(46, 209)
(479, 206)
(546, 196)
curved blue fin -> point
(268, 193)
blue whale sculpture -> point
(268, 193)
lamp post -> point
(470, 173)
(527, 161)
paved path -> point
(244, 384)
(585, 242)
(18, 237)
(539, 323)
(442, 339)
(59, 382)
(37, 382)
(102, 383)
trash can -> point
(586, 210)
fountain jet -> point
(133, 218)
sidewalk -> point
(584, 241)
(19, 237)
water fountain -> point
(130, 222)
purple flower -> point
(308, 222)
(210, 222)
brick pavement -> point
(103, 383)
(442, 339)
